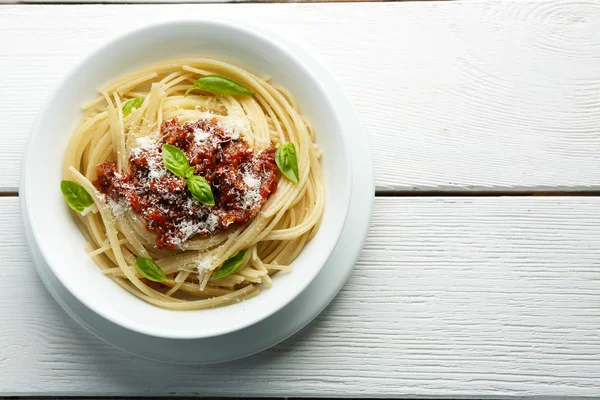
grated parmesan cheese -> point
(145, 142)
(251, 181)
(211, 222)
(235, 126)
(252, 196)
(191, 228)
(206, 115)
(156, 169)
(200, 135)
(251, 199)
(205, 264)
(117, 208)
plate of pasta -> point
(188, 179)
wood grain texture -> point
(451, 297)
(54, 2)
(493, 96)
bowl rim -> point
(259, 34)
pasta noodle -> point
(272, 238)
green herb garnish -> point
(287, 161)
(200, 189)
(149, 269)
(77, 197)
(231, 265)
(176, 162)
(217, 84)
(131, 104)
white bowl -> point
(61, 242)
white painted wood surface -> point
(451, 297)
(455, 95)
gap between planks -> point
(11, 192)
(480, 193)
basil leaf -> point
(131, 104)
(217, 84)
(287, 161)
(175, 160)
(149, 269)
(77, 197)
(190, 172)
(231, 265)
(200, 189)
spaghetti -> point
(147, 213)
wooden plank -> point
(499, 96)
(452, 297)
(54, 2)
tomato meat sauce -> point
(241, 180)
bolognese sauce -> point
(241, 180)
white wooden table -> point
(470, 284)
